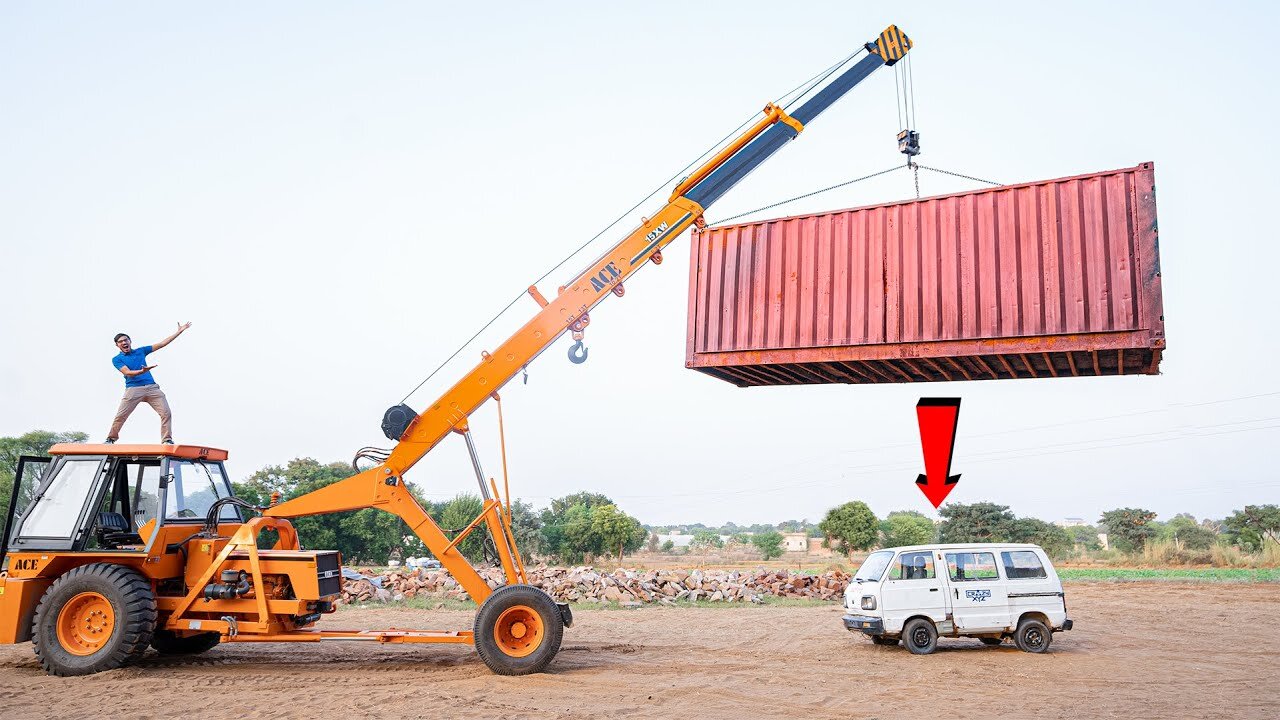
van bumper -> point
(1067, 624)
(863, 623)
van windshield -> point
(873, 567)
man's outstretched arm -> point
(133, 373)
(182, 327)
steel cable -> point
(959, 175)
(809, 194)
(812, 82)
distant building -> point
(795, 542)
(1070, 522)
(815, 548)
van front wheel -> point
(1033, 636)
(920, 636)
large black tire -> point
(107, 614)
(518, 630)
(885, 641)
(920, 636)
(168, 642)
(1033, 636)
(993, 642)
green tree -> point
(1185, 532)
(1128, 529)
(668, 546)
(557, 540)
(526, 526)
(362, 536)
(580, 536)
(705, 540)
(976, 522)
(1055, 540)
(905, 527)
(1256, 523)
(617, 529)
(36, 442)
(769, 543)
(456, 515)
(1085, 536)
(852, 526)
(560, 506)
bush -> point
(768, 543)
(1163, 552)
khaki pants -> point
(151, 395)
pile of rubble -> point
(625, 587)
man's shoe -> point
(108, 441)
(167, 441)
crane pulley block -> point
(909, 143)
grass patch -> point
(1241, 575)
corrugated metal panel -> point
(1059, 277)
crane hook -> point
(577, 353)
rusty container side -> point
(1053, 278)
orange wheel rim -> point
(519, 631)
(85, 623)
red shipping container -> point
(1046, 279)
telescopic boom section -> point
(382, 486)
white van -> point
(990, 591)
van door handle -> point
(933, 589)
(957, 591)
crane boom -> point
(382, 485)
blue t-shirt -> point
(135, 359)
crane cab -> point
(109, 549)
(111, 498)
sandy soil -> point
(1150, 650)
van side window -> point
(1021, 564)
(972, 566)
(913, 566)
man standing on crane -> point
(139, 386)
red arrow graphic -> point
(938, 418)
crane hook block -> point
(577, 353)
(396, 420)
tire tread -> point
(135, 618)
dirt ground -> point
(1159, 650)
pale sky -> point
(339, 194)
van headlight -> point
(868, 602)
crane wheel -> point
(168, 642)
(518, 630)
(95, 617)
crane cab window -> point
(56, 510)
(195, 486)
(129, 500)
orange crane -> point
(110, 549)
